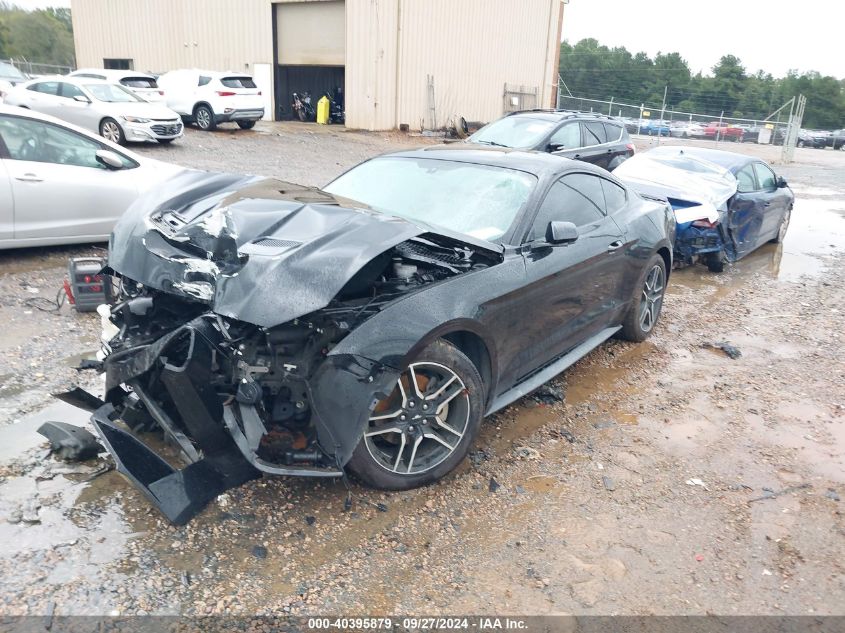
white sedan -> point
(60, 184)
(101, 106)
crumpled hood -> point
(256, 249)
(701, 186)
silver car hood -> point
(141, 109)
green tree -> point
(43, 36)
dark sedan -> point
(370, 326)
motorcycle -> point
(302, 107)
(336, 113)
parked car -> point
(141, 84)
(9, 77)
(107, 108)
(686, 129)
(655, 128)
(60, 184)
(726, 204)
(836, 140)
(811, 138)
(592, 138)
(370, 325)
(208, 98)
(723, 131)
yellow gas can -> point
(323, 110)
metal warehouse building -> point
(422, 63)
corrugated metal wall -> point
(470, 47)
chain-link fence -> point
(34, 69)
(781, 127)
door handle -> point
(29, 178)
(614, 246)
(577, 155)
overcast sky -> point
(773, 35)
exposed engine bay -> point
(245, 398)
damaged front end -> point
(228, 349)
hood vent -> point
(274, 242)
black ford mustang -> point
(266, 327)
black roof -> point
(537, 163)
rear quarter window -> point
(139, 82)
(238, 82)
(614, 132)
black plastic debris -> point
(259, 551)
(70, 443)
(731, 350)
(310, 520)
(549, 394)
(494, 485)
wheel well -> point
(202, 103)
(667, 259)
(474, 348)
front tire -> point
(111, 131)
(246, 125)
(426, 426)
(784, 225)
(646, 304)
(715, 263)
(204, 118)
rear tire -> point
(246, 125)
(407, 431)
(204, 118)
(301, 114)
(647, 301)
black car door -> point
(594, 148)
(568, 286)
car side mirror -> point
(781, 182)
(82, 99)
(109, 159)
(555, 147)
(561, 232)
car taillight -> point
(221, 93)
(630, 147)
(259, 93)
(704, 224)
(161, 92)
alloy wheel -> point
(652, 298)
(111, 131)
(422, 422)
(203, 118)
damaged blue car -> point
(726, 204)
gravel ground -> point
(714, 482)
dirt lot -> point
(672, 479)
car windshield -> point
(514, 131)
(478, 200)
(111, 93)
(9, 71)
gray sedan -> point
(62, 185)
(107, 108)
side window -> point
(568, 201)
(594, 133)
(568, 136)
(614, 132)
(745, 181)
(203, 81)
(70, 91)
(765, 176)
(40, 142)
(45, 87)
(614, 195)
